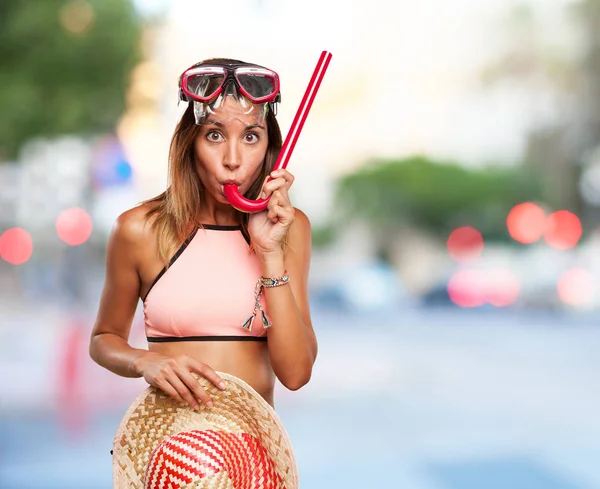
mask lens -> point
(204, 85)
(258, 85)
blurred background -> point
(450, 167)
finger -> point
(275, 213)
(169, 390)
(286, 215)
(194, 386)
(183, 390)
(281, 198)
(271, 186)
(281, 214)
(272, 215)
(285, 174)
(272, 202)
(206, 372)
(262, 193)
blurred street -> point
(414, 399)
(450, 170)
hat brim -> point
(238, 410)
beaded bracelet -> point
(261, 283)
(275, 281)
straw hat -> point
(239, 443)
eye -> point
(251, 137)
(214, 136)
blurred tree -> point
(559, 64)
(434, 196)
(63, 67)
(323, 235)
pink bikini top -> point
(207, 291)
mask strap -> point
(273, 107)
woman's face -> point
(230, 148)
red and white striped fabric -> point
(190, 456)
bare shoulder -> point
(300, 231)
(133, 226)
(301, 219)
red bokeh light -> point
(502, 287)
(576, 287)
(526, 222)
(465, 288)
(16, 246)
(465, 244)
(563, 230)
(474, 288)
(74, 226)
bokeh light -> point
(465, 288)
(465, 244)
(502, 287)
(74, 226)
(526, 222)
(110, 166)
(16, 246)
(576, 287)
(563, 230)
(77, 16)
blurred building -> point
(10, 177)
(397, 85)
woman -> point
(196, 262)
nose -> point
(230, 89)
(232, 158)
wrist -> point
(271, 259)
(275, 281)
(268, 254)
(136, 366)
(273, 266)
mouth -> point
(224, 183)
(231, 182)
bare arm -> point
(291, 339)
(109, 345)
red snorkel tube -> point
(232, 192)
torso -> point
(248, 360)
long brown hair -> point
(176, 210)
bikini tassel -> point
(265, 319)
(248, 322)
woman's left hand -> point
(269, 228)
